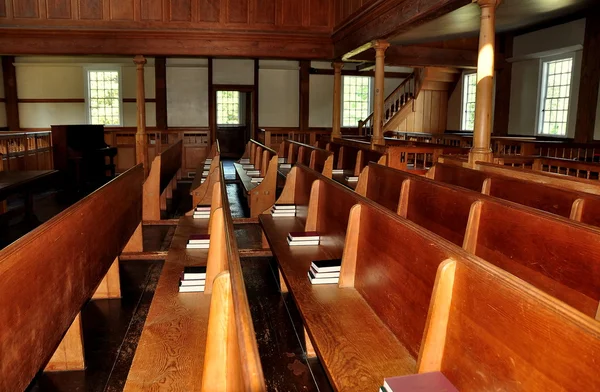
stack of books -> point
(280, 160)
(207, 161)
(325, 271)
(424, 382)
(192, 280)
(248, 166)
(244, 161)
(281, 210)
(202, 212)
(253, 173)
(198, 241)
(303, 238)
(205, 172)
(337, 171)
(351, 178)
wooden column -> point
(254, 130)
(378, 96)
(337, 99)
(590, 80)
(304, 94)
(160, 81)
(503, 86)
(10, 92)
(141, 141)
(212, 111)
(481, 150)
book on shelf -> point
(244, 160)
(335, 274)
(332, 265)
(351, 178)
(284, 207)
(285, 165)
(192, 282)
(423, 382)
(199, 239)
(194, 272)
(280, 160)
(303, 236)
(314, 280)
(282, 214)
(191, 289)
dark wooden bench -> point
(536, 246)
(25, 182)
(351, 159)
(206, 338)
(50, 273)
(568, 203)
(261, 195)
(162, 179)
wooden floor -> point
(112, 327)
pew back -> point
(47, 275)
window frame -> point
(542, 83)
(86, 77)
(241, 111)
(463, 100)
(369, 104)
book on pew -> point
(251, 173)
(199, 239)
(248, 167)
(337, 171)
(324, 266)
(205, 173)
(257, 180)
(423, 382)
(321, 280)
(192, 282)
(280, 160)
(208, 160)
(202, 208)
(197, 246)
(194, 272)
(351, 178)
(191, 289)
(285, 165)
(303, 236)
(284, 207)
(245, 161)
(201, 215)
(335, 274)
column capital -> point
(140, 60)
(337, 65)
(487, 3)
(380, 45)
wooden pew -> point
(206, 338)
(369, 326)
(162, 179)
(572, 204)
(313, 157)
(536, 246)
(260, 196)
(202, 186)
(489, 331)
(50, 273)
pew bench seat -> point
(341, 178)
(245, 179)
(170, 353)
(355, 347)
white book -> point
(202, 181)
(191, 289)
(320, 275)
(205, 173)
(248, 166)
(337, 171)
(303, 236)
(302, 243)
(285, 166)
(283, 214)
(284, 207)
(281, 160)
(201, 216)
(351, 178)
(203, 208)
(257, 179)
(197, 246)
(321, 280)
(245, 160)
(208, 160)
(253, 172)
(206, 167)
(192, 282)
(198, 242)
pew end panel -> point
(262, 196)
(203, 194)
(488, 330)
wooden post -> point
(10, 91)
(481, 150)
(160, 81)
(141, 141)
(304, 90)
(337, 99)
(378, 99)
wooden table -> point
(25, 181)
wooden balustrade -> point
(273, 138)
(26, 150)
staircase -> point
(404, 109)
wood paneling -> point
(3, 8)
(181, 10)
(429, 115)
(90, 9)
(237, 11)
(209, 10)
(26, 8)
(121, 9)
(291, 13)
(58, 9)
(264, 11)
(151, 10)
(319, 13)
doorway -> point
(233, 118)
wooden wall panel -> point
(151, 10)
(319, 13)
(264, 11)
(2, 8)
(181, 10)
(121, 9)
(209, 10)
(26, 8)
(237, 11)
(90, 9)
(291, 13)
(58, 9)
(345, 8)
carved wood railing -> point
(26, 150)
(403, 95)
(273, 138)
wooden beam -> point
(503, 85)
(396, 75)
(10, 92)
(16, 41)
(388, 18)
(141, 140)
(255, 103)
(212, 111)
(304, 94)
(160, 77)
(366, 66)
(590, 80)
(424, 56)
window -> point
(104, 97)
(556, 88)
(468, 102)
(356, 100)
(228, 108)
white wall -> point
(187, 92)
(2, 105)
(321, 101)
(233, 71)
(278, 93)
